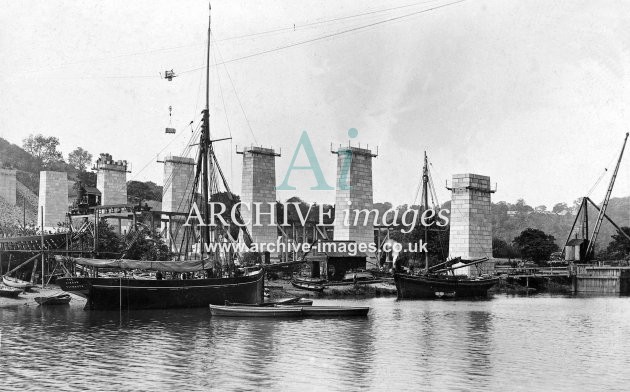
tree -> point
(44, 149)
(535, 244)
(108, 240)
(559, 207)
(619, 247)
(521, 206)
(87, 178)
(500, 248)
(148, 245)
(80, 159)
(138, 191)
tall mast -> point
(206, 148)
(425, 202)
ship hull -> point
(114, 293)
(431, 287)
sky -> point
(534, 94)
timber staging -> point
(584, 278)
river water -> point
(502, 344)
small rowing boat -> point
(300, 279)
(334, 311)
(16, 283)
(287, 302)
(9, 292)
(307, 286)
(61, 299)
(358, 276)
(255, 311)
(283, 311)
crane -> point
(602, 210)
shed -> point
(333, 259)
(575, 249)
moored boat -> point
(194, 242)
(61, 299)
(334, 311)
(300, 279)
(124, 293)
(254, 311)
(16, 283)
(358, 276)
(443, 282)
(307, 286)
(297, 301)
(284, 311)
(9, 292)
(442, 286)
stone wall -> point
(8, 185)
(471, 222)
(354, 171)
(53, 197)
(259, 185)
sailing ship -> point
(123, 292)
(432, 282)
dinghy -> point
(16, 283)
(9, 292)
(283, 311)
(308, 286)
(255, 311)
(61, 299)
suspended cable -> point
(327, 36)
(295, 26)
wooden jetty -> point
(593, 279)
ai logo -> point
(305, 144)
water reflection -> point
(503, 344)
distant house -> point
(512, 213)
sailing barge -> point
(129, 293)
(441, 286)
(440, 283)
(133, 293)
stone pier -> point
(471, 221)
(111, 180)
(53, 197)
(259, 186)
(179, 178)
(354, 192)
(8, 185)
